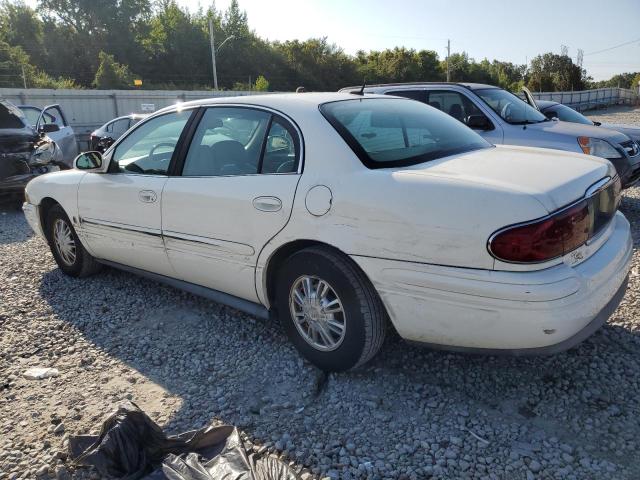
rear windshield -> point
(393, 132)
(10, 116)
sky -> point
(503, 30)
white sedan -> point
(342, 215)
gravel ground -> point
(619, 114)
(411, 413)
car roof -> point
(277, 101)
(408, 85)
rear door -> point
(234, 193)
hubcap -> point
(317, 313)
(64, 242)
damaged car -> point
(343, 215)
(24, 153)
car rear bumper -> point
(526, 312)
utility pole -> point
(213, 54)
(448, 55)
(24, 77)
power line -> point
(614, 47)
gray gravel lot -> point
(411, 413)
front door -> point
(65, 137)
(120, 211)
(235, 193)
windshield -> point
(567, 114)
(389, 132)
(510, 108)
(10, 116)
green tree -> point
(111, 74)
(552, 72)
(16, 70)
(175, 46)
(21, 27)
(398, 65)
(76, 31)
(262, 84)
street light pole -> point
(213, 54)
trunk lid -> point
(554, 178)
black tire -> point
(364, 315)
(83, 264)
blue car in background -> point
(568, 114)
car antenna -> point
(361, 91)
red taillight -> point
(545, 239)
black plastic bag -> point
(131, 446)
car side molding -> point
(232, 301)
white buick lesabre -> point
(340, 214)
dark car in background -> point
(103, 137)
(568, 114)
(24, 153)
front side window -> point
(454, 103)
(149, 148)
(53, 115)
(394, 132)
(120, 126)
(510, 108)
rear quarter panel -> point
(382, 213)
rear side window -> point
(419, 95)
(241, 141)
(394, 132)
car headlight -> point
(43, 154)
(598, 147)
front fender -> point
(61, 187)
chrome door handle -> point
(147, 196)
(267, 204)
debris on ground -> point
(131, 446)
(40, 373)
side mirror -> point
(48, 128)
(478, 122)
(88, 161)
